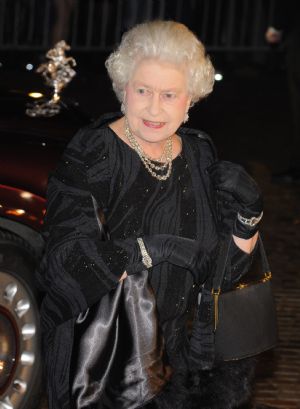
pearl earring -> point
(123, 110)
(186, 117)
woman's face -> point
(156, 100)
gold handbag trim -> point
(267, 277)
(216, 293)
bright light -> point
(218, 76)
(15, 212)
(1, 65)
(35, 94)
(29, 67)
(26, 195)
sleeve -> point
(78, 267)
(239, 264)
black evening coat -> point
(78, 268)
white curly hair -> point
(166, 41)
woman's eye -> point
(169, 95)
(141, 91)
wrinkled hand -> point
(238, 193)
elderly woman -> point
(154, 182)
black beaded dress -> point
(77, 269)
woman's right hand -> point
(236, 187)
(180, 251)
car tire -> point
(20, 349)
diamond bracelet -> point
(253, 221)
(146, 259)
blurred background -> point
(249, 115)
(251, 83)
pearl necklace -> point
(151, 164)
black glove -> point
(180, 251)
(236, 188)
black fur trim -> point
(227, 386)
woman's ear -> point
(123, 104)
(188, 104)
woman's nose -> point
(154, 104)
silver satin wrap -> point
(117, 359)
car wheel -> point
(20, 356)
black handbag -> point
(118, 356)
(245, 317)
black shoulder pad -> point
(204, 137)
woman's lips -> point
(153, 125)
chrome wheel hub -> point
(18, 340)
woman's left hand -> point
(230, 178)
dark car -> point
(29, 150)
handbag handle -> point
(104, 235)
(99, 215)
(221, 269)
(223, 258)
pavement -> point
(278, 377)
